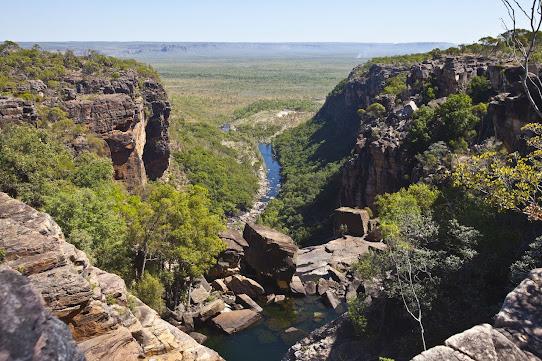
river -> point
(269, 340)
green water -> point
(267, 341)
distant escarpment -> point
(121, 101)
(378, 103)
(106, 322)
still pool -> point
(268, 339)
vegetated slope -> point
(400, 137)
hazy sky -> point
(251, 20)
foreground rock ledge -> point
(78, 294)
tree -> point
(506, 181)
(31, 163)
(176, 231)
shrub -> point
(396, 85)
(150, 290)
(2, 255)
(480, 89)
(356, 314)
(376, 110)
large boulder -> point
(93, 303)
(273, 255)
(235, 321)
(29, 331)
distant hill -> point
(144, 50)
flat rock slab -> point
(235, 321)
(337, 255)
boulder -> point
(211, 309)
(199, 337)
(235, 321)
(240, 284)
(355, 222)
(248, 302)
(271, 254)
(296, 287)
(219, 285)
(199, 294)
(28, 331)
(279, 298)
(310, 288)
(331, 299)
(229, 260)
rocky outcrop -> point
(271, 254)
(515, 335)
(14, 110)
(29, 332)
(130, 113)
(334, 342)
(380, 163)
(105, 320)
(131, 117)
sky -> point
(391, 21)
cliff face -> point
(380, 163)
(129, 113)
(106, 322)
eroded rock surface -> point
(93, 303)
(28, 332)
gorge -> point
(263, 209)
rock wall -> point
(129, 113)
(379, 163)
(106, 322)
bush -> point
(480, 89)
(454, 123)
(2, 255)
(356, 314)
(31, 162)
(150, 290)
(396, 85)
(376, 110)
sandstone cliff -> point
(380, 163)
(105, 320)
(129, 112)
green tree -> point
(150, 290)
(31, 163)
